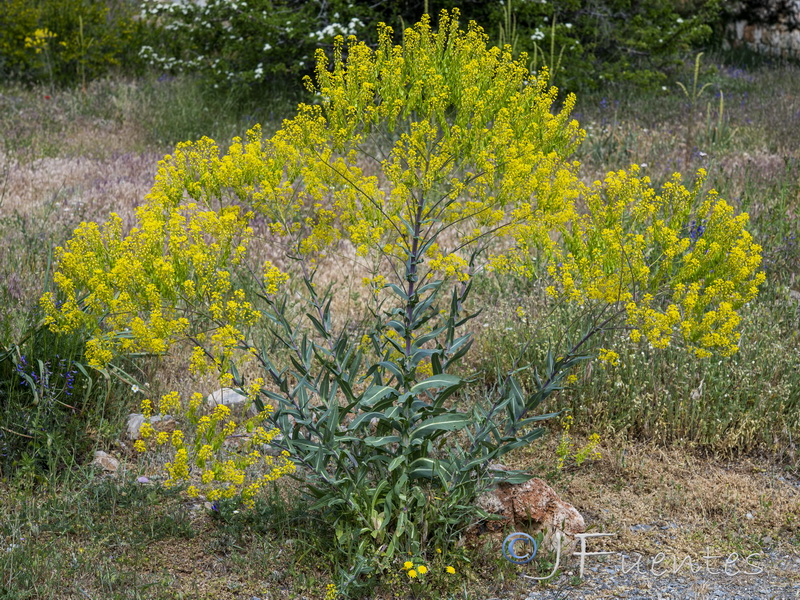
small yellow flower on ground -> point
(412, 573)
(450, 570)
(422, 569)
(407, 565)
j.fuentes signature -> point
(520, 548)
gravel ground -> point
(779, 579)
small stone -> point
(749, 516)
(740, 29)
(133, 426)
(270, 449)
(108, 463)
(229, 397)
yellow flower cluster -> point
(608, 356)
(590, 450)
(414, 571)
(39, 40)
(449, 266)
(679, 261)
(331, 591)
(478, 153)
(478, 150)
(225, 470)
(274, 279)
(133, 292)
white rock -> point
(135, 421)
(272, 450)
(740, 29)
(234, 400)
(133, 425)
(108, 463)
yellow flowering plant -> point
(435, 160)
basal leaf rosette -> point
(678, 260)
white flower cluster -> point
(335, 29)
(223, 31)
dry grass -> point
(72, 188)
(677, 500)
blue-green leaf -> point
(381, 440)
(515, 477)
(441, 380)
(446, 422)
(429, 468)
(396, 462)
(375, 393)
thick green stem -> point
(411, 278)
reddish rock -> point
(532, 507)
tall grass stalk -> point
(693, 97)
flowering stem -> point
(411, 277)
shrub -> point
(585, 44)
(66, 41)
(244, 43)
(598, 43)
(434, 161)
(18, 20)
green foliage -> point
(398, 463)
(597, 42)
(585, 43)
(693, 98)
(52, 408)
(18, 20)
(66, 42)
(53, 412)
(748, 403)
(245, 43)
